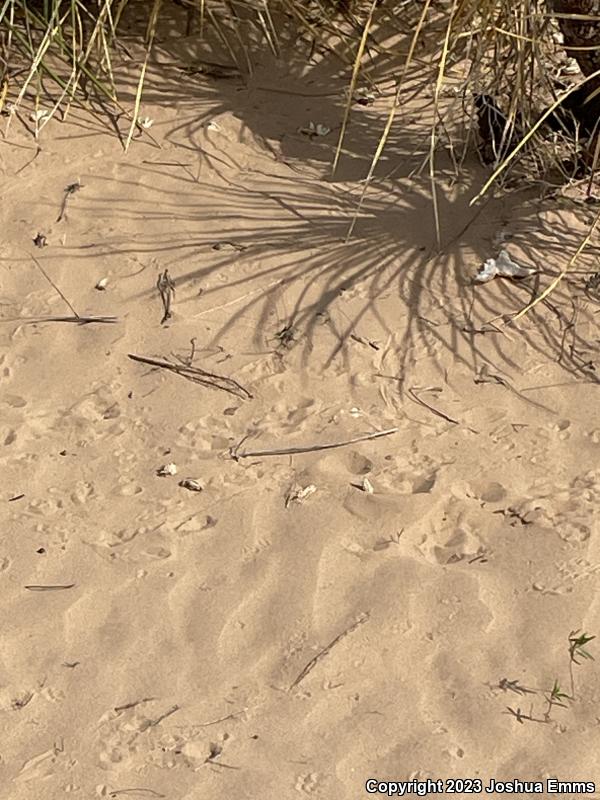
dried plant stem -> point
(326, 650)
(285, 451)
(54, 286)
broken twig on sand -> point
(51, 282)
(166, 288)
(412, 393)
(326, 650)
(288, 451)
(49, 588)
(197, 375)
(69, 191)
(152, 723)
(76, 320)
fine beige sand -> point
(409, 617)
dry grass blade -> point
(326, 650)
(35, 587)
(54, 286)
(562, 274)
(530, 133)
(433, 138)
(140, 87)
(391, 116)
(376, 157)
(355, 71)
(412, 392)
(285, 451)
(86, 320)
(197, 375)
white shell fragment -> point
(367, 486)
(145, 122)
(571, 67)
(40, 115)
(298, 494)
(192, 484)
(504, 267)
(167, 469)
(102, 284)
(315, 129)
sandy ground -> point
(237, 642)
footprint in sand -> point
(570, 509)
(457, 537)
(307, 783)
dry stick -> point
(77, 320)
(148, 792)
(285, 451)
(51, 282)
(166, 288)
(413, 394)
(485, 376)
(49, 588)
(222, 719)
(326, 650)
(70, 190)
(239, 299)
(153, 722)
(197, 375)
(520, 717)
(133, 704)
(550, 288)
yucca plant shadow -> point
(294, 225)
(289, 232)
(393, 247)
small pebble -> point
(192, 484)
(167, 469)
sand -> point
(407, 618)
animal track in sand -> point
(415, 474)
(308, 784)
(570, 508)
(573, 571)
(82, 492)
(14, 401)
(457, 536)
(293, 418)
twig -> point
(148, 792)
(51, 282)
(413, 394)
(71, 189)
(76, 319)
(520, 717)
(187, 361)
(233, 715)
(485, 376)
(514, 686)
(133, 704)
(235, 454)
(326, 650)
(197, 375)
(239, 299)
(34, 587)
(151, 723)
(362, 340)
(166, 288)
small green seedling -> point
(577, 643)
(555, 698)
